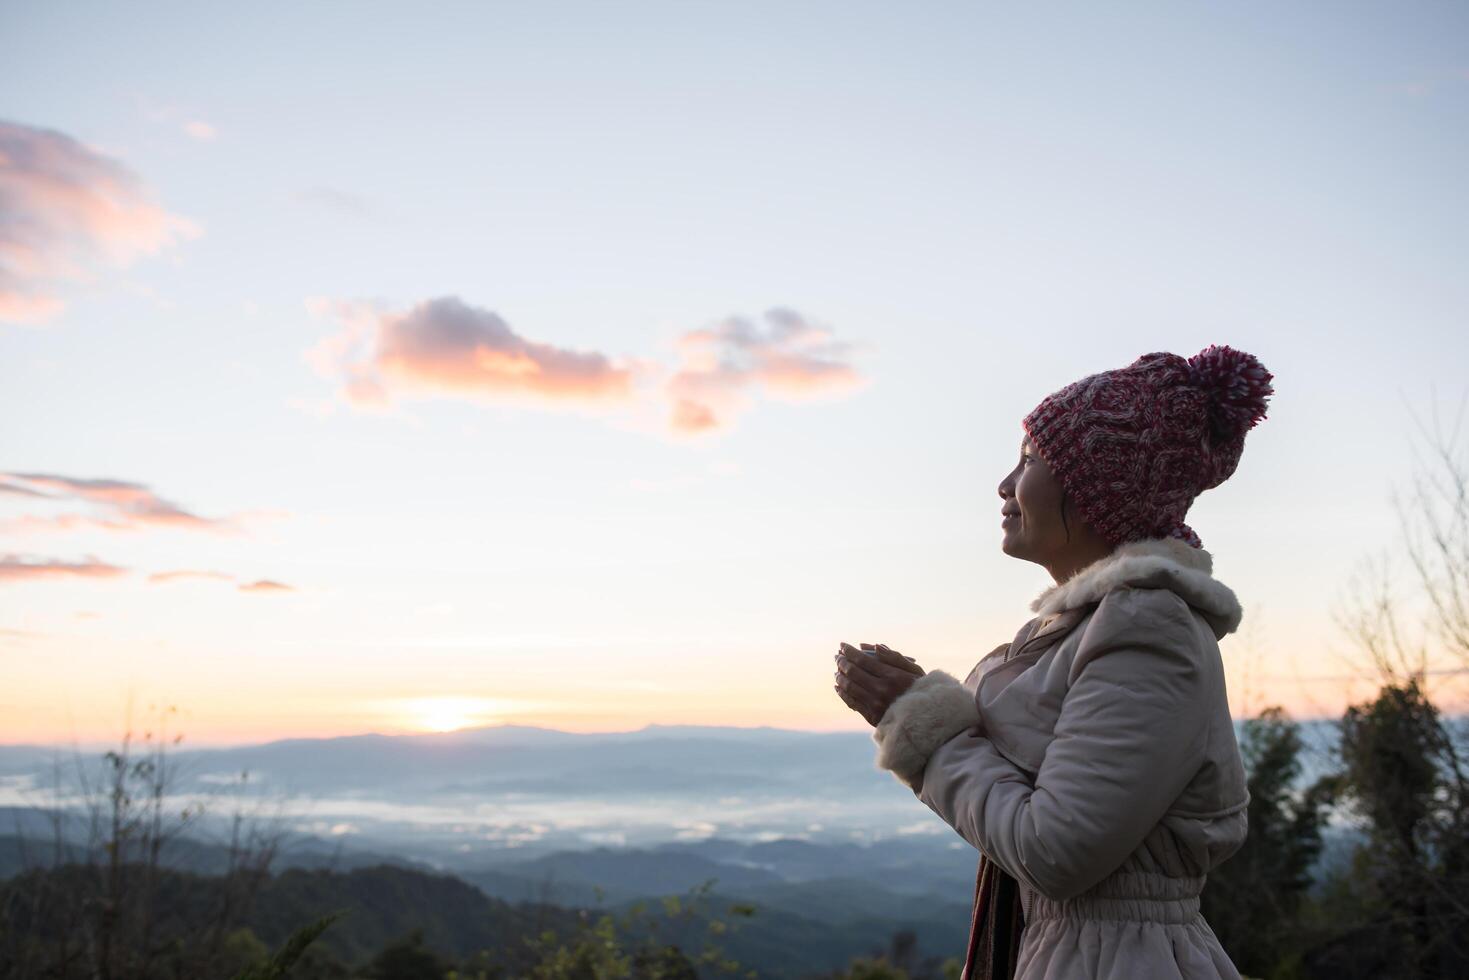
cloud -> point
(64, 208)
(265, 585)
(176, 116)
(446, 347)
(18, 307)
(184, 573)
(124, 506)
(14, 568)
(120, 506)
(259, 585)
(22, 491)
(791, 359)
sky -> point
(382, 367)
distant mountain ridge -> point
(655, 757)
(489, 802)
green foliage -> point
(1395, 752)
(1253, 901)
(899, 962)
(290, 952)
(1400, 906)
(606, 947)
(1408, 894)
(408, 959)
(874, 968)
(242, 954)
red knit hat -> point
(1133, 447)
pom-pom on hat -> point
(1133, 447)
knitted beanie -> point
(1133, 447)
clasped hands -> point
(870, 681)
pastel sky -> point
(386, 367)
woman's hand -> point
(870, 682)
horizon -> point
(187, 745)
(608, 372)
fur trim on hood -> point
(1153, 563)
(937, 706)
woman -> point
(1092, 760)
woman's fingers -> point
(897, 657)
(897, 660)
(875, 665)
(863, 688)
(862, 660)
(855, 704)
(873, 688)
(884, 655)
(869, 680)
(854, 701)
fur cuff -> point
(933, 710)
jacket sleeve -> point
(1130, 735)
(934, 709)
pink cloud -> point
(184, 573)
(265, 585)
(65, 207)
(259, 585)
(18, 307)
(124, 506)
(176, 115)
(120, 506)
(27, 523)
(20, 491)
(14, 568)
(444, 346)
(692, 416)
(790, 359)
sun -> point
(449, 714)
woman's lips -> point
(1007, 518)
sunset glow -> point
(608, 377)
(451, 713)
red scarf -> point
(994, 929)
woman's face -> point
(1032, 498)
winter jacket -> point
(1093, 758)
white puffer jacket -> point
(1093, 758)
